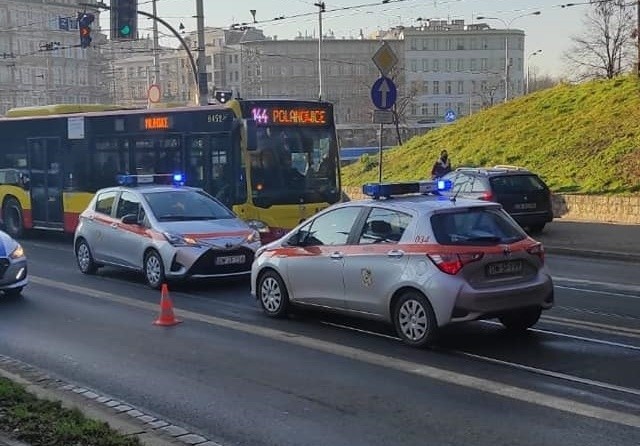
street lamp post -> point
(507, 24)
(321, 9)
(535, 53)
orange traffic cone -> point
(166, 318)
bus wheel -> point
(12, 218)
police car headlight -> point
(253, 237)
(179, 240)
(259, 226)
(17, 252)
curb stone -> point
(121, 416)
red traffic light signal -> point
(85, 20)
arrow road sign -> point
(450, 116)
(383, 93)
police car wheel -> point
(273, 295)
(84, 258)
(154, 269)
(414, 319)
(521, 320)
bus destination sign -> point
(156, 122)
(308, 116)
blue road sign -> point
(383, 93)
(450, 116)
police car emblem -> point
(367, 278)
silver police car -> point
(165, 231)
(419, 261)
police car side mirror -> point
(130, 219)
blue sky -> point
(550, 31)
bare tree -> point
(604, 48)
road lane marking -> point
(442, 375)
(616, 286)
(604, 328)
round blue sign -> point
(450, 116)
(384, 93)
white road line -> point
(605, 328)
(446, 376)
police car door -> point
(314, 272)
(130, 239)
(98, 230)
(375, 266)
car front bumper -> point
(202, 262)
(15, 275)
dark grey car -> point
(522, 193)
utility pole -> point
(203, 89)
(156, 57)
(638, 36)
(321, 9)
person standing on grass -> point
(442, 166)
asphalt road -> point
(239, 378)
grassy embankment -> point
(580, 138)
(41, 422)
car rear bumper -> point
(473, 304)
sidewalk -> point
(599, 240)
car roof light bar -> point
(176, 179)
(385, 190)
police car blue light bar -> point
(177, 179)
(377, 190)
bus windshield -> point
(294, 165)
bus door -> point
(213, 163)
(46, 182)
(159, 154)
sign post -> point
(383, 94)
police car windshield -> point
(183, 205)
(475, 226)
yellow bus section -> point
(61, 109)
(76, 202)
(279, 216)
(17, 192)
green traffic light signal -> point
(125, 30)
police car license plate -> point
(525, 206)
(504, 268)
(230, 260)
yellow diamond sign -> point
(385, 59)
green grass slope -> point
(579, 138)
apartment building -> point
(40, 62)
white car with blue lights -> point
(13, 266)
(409, 257)
(166, 231)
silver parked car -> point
(419, 261)
(167, 232)
(13, 266)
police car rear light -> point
(453, 263)
(378, 190)
(177, 179)
(487, 196)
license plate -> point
(230, 260)
(504, 268)
(525, 206)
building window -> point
(449, 44)
(235, 58)
(425, 44)
(460, 65)
(414, 65)
(484, 64)
(460, 87)
(425, 109)
(436, 109)
(436, 87)
(485, 44)
(447, 87)
(459, 108)
(414, 109)
(474, 87)
(473, 65)
(425, 64)
(436, 65)
(425, 87)
(447, 65)
(460, 44)
(412, 44)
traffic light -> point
(84, 25)
(223, 96)
(124, 19)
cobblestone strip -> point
(33, 374)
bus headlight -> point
(259, 226)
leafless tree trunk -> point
(604, 48)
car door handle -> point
(114, 225)
(395, 253)
(336, 255)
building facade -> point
(40, 58)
